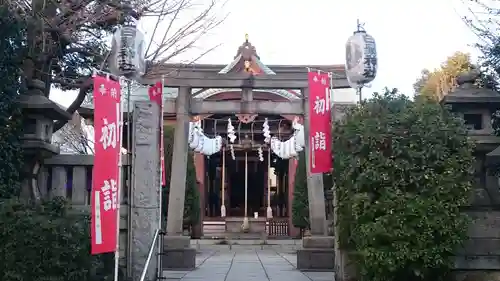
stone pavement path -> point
(246, 265)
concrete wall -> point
(70, 176)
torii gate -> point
(184, 106)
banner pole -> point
(120, 182)
(245, 218)
(129, 177)
(159, 272)
(223, 207)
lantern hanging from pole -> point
(128, 50)
(361, 58)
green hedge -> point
(300, 203)
(191, 201)
(48, 241)
(403, 169)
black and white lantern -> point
(128, 45)
(361, 58)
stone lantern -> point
(476, 105)
(38, 116)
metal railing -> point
(150, 255)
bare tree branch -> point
(68, 38)
(75, 137)
(75, 105)
(176, 41)
(483, 19)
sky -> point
(410, 35)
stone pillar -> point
(343, 267)
(317, 252)
(145, 197)
(177, 252)
(315, 190)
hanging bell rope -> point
(215, 126)
(223, 182)
(251, 131)
(239, 130)
(279, 129)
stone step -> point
(246, 266)
(292, 249)
(223, 241)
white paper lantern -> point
(128, 47)
(361, 59)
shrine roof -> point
(175, 68)
(247, 60)
(245, 52)
(472, 95)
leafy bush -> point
(43, 241)
(168, 150)
(300, 203)
(48, 241)
(402, 171)
(191, 201)
(168, 147)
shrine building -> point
(248, 130)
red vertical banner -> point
(320, 136)
(156, 95)
(105, 175)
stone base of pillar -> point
(177, 253)
(317, 254)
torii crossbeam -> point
(246, 82)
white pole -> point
(120, 183)
(245, 218)
(129, 180)
(269, 209)
(159, 269)
(223, 207)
